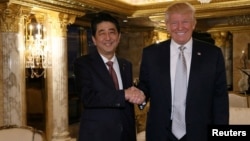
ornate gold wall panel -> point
(9, 18)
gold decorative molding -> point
(65, 19)
(57, 23)
(149, 13)
(9, 18)
(219, 38)
(113, 6)
(239, 20)
(232, 29)
(53, 5)
(218, 9)
(144, 2)
(54, 25)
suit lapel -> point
(196, 61)
(124, 70)
(101, 68)
(164, 68)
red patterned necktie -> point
(113, 74)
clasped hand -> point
(134, 95)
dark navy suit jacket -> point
(207, 96)
(106, 115)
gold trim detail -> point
(9, 18)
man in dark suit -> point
(206, 93)
(108, 113)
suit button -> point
(117, 104)
(121, 127)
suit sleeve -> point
(221, 102)
(143, 79)
(93, 86)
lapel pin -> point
(198, 53)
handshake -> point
(134, 95)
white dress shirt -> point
(116, 68)
(174, 52)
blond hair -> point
(180, 7)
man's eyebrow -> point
(112, 29)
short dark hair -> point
(101, 17)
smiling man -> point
(184, 80)
(105, 84)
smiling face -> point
(106, 38)
(180, 22)
(180, 27)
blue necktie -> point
(179, 100)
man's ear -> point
(194, 24)
(93, 39)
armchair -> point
(20, 133)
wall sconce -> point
(36, 49)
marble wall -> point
(133, 42)
(240, 43)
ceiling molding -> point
(51, 5)
(150, 14)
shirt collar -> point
(188, 45)
(113, 59)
